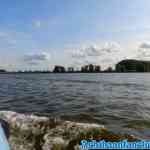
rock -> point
(30, 132)
(26, 130)
(56, 143)
(69, 132)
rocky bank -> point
(30, 132)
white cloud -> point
(145, 45)
(37, 58)
(104, 54)
(95, 50)
(111, 47)
(143, 51)
(78, 53)
(143, 55)
(37, 24)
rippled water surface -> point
(115, 100)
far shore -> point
(70, 72)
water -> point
(114, 100)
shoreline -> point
(30, 132)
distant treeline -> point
(131, 65)
(84, 69)
(3, 71)
(128, 65)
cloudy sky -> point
(37, 34)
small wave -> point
(75, 81)
(138, 124)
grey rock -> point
(30, 132)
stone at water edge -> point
(26, 131)
(29, 132)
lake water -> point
(118, 101)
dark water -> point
(115, 100)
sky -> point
(36, 35)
